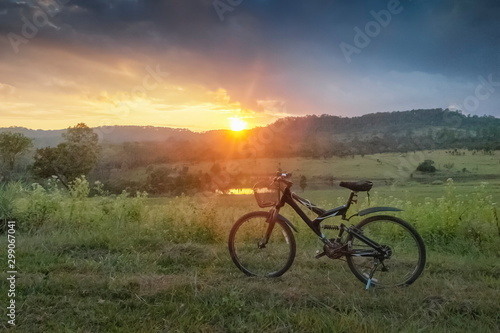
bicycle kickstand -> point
(372, 271)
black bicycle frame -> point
(315, 225)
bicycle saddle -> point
(360, 186)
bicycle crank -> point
(332, 250)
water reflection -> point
(236, 191)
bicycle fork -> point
(271, 221)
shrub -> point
(453, 221)
(8, 193)
(426, 166)
(38, 206)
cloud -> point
(266, 57)
(7, 89)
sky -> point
(201, 64)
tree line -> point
(75, 156)
(164, 164)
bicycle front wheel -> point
(252, 255)
(404, 252)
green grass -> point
(377, 166)
(138, 264)
(195, 288)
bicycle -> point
(381, 250)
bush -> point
(453, 221)
(38, 206)
(426, 166)
(8, 193)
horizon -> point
(244, 129)
(242, 64)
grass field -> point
(139, 264)
(385, 166)
(151, 286)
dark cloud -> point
(289, 50)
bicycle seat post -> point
(354, 197)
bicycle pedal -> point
(319, 254)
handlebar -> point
(281, 177)
(283, 174)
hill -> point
(309, 136)
(399, 123)
(400, 131)
(108, 134)
(165, 160)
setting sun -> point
(237, 124)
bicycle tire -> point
(408, 254)
(270, 261)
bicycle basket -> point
(266, 195)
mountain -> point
(119, 134)
(42, 138)
(396, 123)
(310, 136)
(398, 131)
(108, 134)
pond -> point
(236, 191)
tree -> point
(11, 146)
(75, 157)
(159, 180)
(215, 168)
(426, 166)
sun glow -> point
(237, 124)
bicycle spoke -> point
(382, 251)
(253, 254)
(401, 260)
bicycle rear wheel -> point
(253, 257)
(404, 258)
